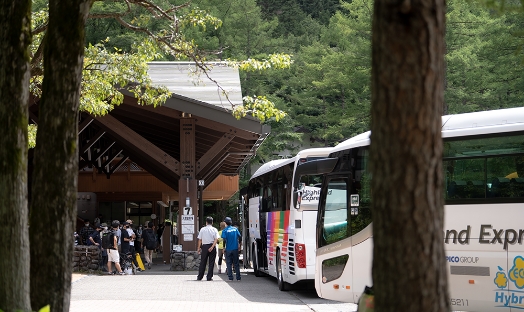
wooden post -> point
(166, 241)
(187, 186)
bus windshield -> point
(311, 191)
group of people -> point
(123, 239)
(119, 239)
(229, 243)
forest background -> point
(326, 92)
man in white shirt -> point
(207, 240)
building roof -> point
(151, 138)
(185, 79)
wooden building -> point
(140, 161)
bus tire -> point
(255, 263)
(282, 285)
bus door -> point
(334, 278)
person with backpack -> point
(105, 232)
(110, 242)
(149, 243)
(95, 238)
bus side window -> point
(465, 178)
(503, 171)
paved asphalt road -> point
(159, 289)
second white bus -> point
(484, 212)
(282, 238)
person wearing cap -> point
(132, 239)
(231, 236)
(112, 254)
(126, 238)
(207, 240)
(117, 232)
(94, 238)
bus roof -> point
(358, 140)
(272, 165)
(495, 121)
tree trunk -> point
(409, 272)
(15, 37)
(53, 203)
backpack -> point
(150, 239)
(108, 239)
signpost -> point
(188, 224)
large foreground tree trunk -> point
(409, 272)
(53, 204)
(15, 37)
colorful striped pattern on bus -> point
(277, 227)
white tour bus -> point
(484, 213)
(281, 239)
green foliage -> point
(259, 107)
(31, 135)
(278, 61)
(47, 308)
(484, 58)
(106, 74)
(283, 137)
(504, 5)
(329, 88)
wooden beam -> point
(84, 124)
(151, 117)
(216, 167)
(102, 152)
(187, 148)
(220, 145)
(154, 160)
(119, 164)
(110, 158)
(92, 141)
(199, 121)
(91, 160)
(33, 117)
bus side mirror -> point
(297, 195)
(299, 199)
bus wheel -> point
(255, 264)
(283, 286)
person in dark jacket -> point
(148, 234)
(85, 232)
